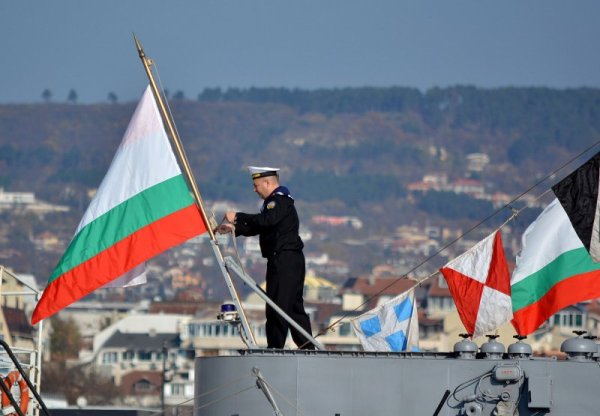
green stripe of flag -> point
(123, 220)
(535, 286)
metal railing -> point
(6, 389)
(23, 289)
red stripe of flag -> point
(118, 259)
(567, 292)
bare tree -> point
(76, 381)
(47, 95)
(112, 97)
(65, 339)
(179, 95)
(72, 97)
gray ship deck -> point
(320, 383)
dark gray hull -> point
(372, 384)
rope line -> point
(235, 247)
(162, 89)
(288, 401)
(226, 397)
(222, 386)
(515, 213)
(206, 393)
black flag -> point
(578, 194)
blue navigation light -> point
(227, 307)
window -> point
(109, 357)
(260, 331)
(442, 282)
(143, 386)
(345, 329)
(177, 389)
(193, 330)
(569, 319)
(127, 355)
(145, 355)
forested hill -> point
(346, 144)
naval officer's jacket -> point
(277, 224)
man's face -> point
(262, 187)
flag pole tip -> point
(138, 45)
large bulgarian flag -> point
(554, 270)
(142, 207)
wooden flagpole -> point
(147, 62)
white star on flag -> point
(480, 285)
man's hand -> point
(224, 228)
(230, 216)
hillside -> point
(330, 143)
(350, 152)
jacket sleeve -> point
(252, 224)
(242, 228)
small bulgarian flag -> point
(142, 208)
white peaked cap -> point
(262, 171)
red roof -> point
(323, 312)
(437, 290)
(153, 378)
(593, 307)
(370, 286)
(17, 322)
(424, 320)
(467, 181)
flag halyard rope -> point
(419, 282)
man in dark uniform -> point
(277, 226)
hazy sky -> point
(87, 45)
